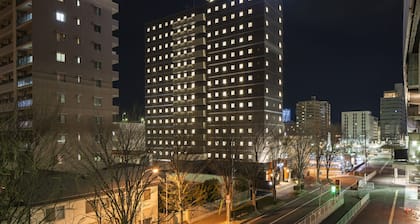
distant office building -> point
(56, 59)
(393, 120)
(313, 118)
(358, 127)
(287, 115)
(214, 78)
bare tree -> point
(182, 191)
(225, 167)
(301, 149)
(118, 165)
(28, 150)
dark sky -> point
(346, 52)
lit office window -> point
(60, 57)
(59, 16)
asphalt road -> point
(386, 200)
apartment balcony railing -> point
(24, 103)
(115, 57)
(115, 24)
(191, 19)
(25, 60)
(18, 2)
(25, 18)
(198, 29)
(6, 49)
(6, 10)
(191, 43)
(6, 107)
(22, 40)
(24, 82)
(195, 54)
(6, 68)
(5, 29)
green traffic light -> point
(333, 189)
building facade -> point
(393, 120)
(313, 118)
(56, 59)
(214, 78)
(358, 127)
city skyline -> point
(359, 51)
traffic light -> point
(333, 189)
(338, 186)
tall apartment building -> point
(214, 78)
(313, 118)
(358, 127)
(57, 56)
(393, 120)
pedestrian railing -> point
(353, 211)
(326, 209)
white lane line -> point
(391, 217)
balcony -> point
(25, 60)
(6, 49)
(6, 67)
(24, 103)
(7, 107)
(5, 29)
(115, 76)
(191, 43)
(5, 11)
(114, 42)
(24, 42)
(24, 82)
(115, 58)
(192, 19)
(24, 18)
(114, 7)
(199, 29)
(195, 54)
(6, 86)
(115, 24)
(23, 4)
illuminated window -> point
(59, 16)
(60, 57)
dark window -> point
(97, 47)
(98, 65)
(97, 10)
(98, 83)
(97, 28)
(146, 194)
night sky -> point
(346, 52)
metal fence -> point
(323, 212)
(353, 211)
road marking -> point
(391, 217)
(382, 168)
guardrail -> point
(319, 214)
(353, 211)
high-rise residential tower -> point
(57, 56)
(214, 78)
(313, 118)
(393, 120)
(358, 127)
